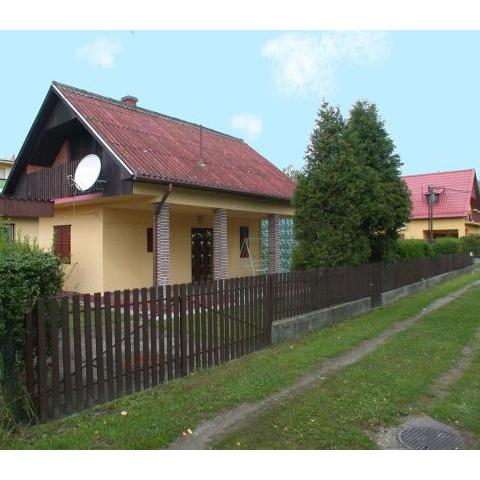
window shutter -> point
(62, 242)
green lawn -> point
(378, 391)
(462, 407)
(156, 417)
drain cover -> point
(416, 437)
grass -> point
(157, 416)
(380, 390)
(462, 407)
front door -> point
(202, 254)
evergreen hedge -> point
(471, 243)
(410, 249)
(444, 246)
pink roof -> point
(456, 190)
(165, 149)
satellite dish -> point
(87, 172)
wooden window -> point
(244, 242)
(3, 174)
(149, 239)
(62, 242)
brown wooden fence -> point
(88, 349)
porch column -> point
(161, 244)
(220, 246)
(273, 243)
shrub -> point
(410, 249)
(26, 274)
(444, 246)
(471, 243)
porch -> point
(180, 240)
(180, 246)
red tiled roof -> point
(456, 190)
(161, 148)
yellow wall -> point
(472, 229)
(239, 267)
(415, 228)
(85, 273)
(109, 240)
(24, 227)
(126, 262)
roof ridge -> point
(143, 110)
(437, 173)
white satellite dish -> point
(87, 172)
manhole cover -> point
(428, 438)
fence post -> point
(183, 328)
(269, 310)
(375, 284)
(42, 361)
(8, 354)
(29, 360)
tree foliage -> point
(350, 200)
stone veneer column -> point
(274, 243)
(161, 244)
(220, 246)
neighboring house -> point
(175, 204)
(20, 217)
(456, 210)
(5, 167)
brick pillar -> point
(161, 244)
(220, 248)
(274, 243)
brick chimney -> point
(130, 100)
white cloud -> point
(250, 124)
(305, 64)
(101, 52)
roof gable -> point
(156, 147)
(35, 173)
(456, 188)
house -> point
(456, 204)
(174, 203)
(19, 216)
(5, 167)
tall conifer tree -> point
(387, 205)
(327, 225)
(350, 200)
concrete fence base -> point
(294, 327)
(308, 322)
(394, 295)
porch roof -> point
(18, 207)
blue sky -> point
(265, 87)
